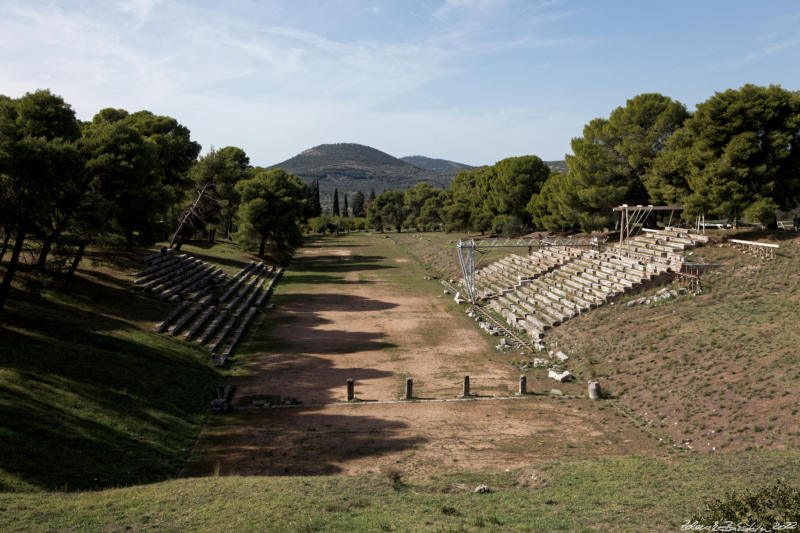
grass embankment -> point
(718, 370)
(614, 494)
(90, 395)
(437, 251)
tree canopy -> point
(739, 154)
(271, 208)
(611, 161)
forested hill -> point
(354, 167)
(557, 166)
(436, 165)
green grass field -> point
(617, 494)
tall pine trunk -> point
(6, 238)
(74, 266)
(263, 244)
(47, 245)
(5, 287)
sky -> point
(472, 81)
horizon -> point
(470, 81)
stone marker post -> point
(351, 390)
(465, 391)
(409, 388)
(523, 385)
(594, 390)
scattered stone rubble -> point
(664, 294)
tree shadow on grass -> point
(311, 303)
(89, 400)
(338, 263)
(320, 278)
(297, 441)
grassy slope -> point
(720, 369)
(90, 396)
(619, 494)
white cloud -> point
(766, 50)
(273, 90)
(139, 8)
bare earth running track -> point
(355, 307)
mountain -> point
(557, 166)
(436, 165)
(354, 167)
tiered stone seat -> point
(174, 277)
(222, 333)
(162, 327)
(179, 276)
(267, 289)
(196, 278)
(195, 328)
(212, 327)
(237, 280)
(578, 280)
(171, 262)
(239, 331)
(514, 271)
(181, 323)
(171, 270)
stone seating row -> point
(250, 266)
(222, 333)
(190, 283)
(251, 291)
(156, 258)
(266, 291)
(148, 274)
(245, 289)
(175, 269)
(589, 280)
(513, 271)
(166, 282)
(183, 321)
(235, 283)
(240, 329)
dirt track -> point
(349, 309)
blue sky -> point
(468, 80)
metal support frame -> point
(466, 252)
(628, 228)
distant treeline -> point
(736, 157)
(125, 179)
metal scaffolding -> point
(628, 227)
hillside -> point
(557, 166)
(354, 167)
(436, 165)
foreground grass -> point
(90, 396)
(619, 494)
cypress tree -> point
(336, 202)
(316, 206)
(345, 211)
